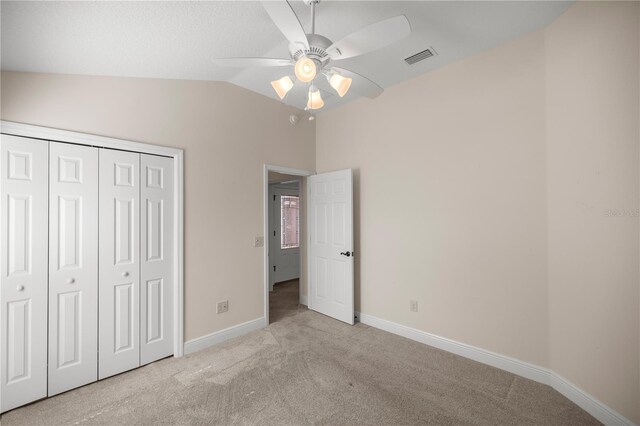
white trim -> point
(37, 132)
(265, 223)
(587, 402)
(308, 239)
(493, 359)
(223, 335)
(304, 300)
(582, 399)
(288, 170)
(178, 255)
(45, 133)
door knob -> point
(125, 274)
(71, 281)
(20, 288)
(346, 253)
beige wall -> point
(592, 167)
(481, 190)
(450, 199)
(228, 133)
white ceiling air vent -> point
(420, 56)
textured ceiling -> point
(177, 40)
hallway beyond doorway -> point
(284, 300)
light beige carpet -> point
(284, 300)
(306, 368)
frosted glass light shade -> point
(282, 86)
(340, 83)
(315, 100)
(305, 69)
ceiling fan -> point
(313, 55)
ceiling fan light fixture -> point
(282, 86)
(305, 69)
(311, 54)
(340, 84)
(315, 100)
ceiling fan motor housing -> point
(316, 51)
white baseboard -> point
(543, 375)
(220, 336)
(304, 300)
(588, 403)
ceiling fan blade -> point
(286, 20)
(370, 38)
(361, 84)
(252, 62)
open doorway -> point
(285, 248)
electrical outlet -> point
(222, 307)
(413, 305)
(258, 242)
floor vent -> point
(420, 56)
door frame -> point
(265, 216)
(65, 136)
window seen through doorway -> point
(290, 225)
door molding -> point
(65, 136)
(265, 216)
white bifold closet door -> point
(86, 265)
(73, 266)
(24, 177)
(156, 269)
(119, 264)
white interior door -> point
(119, 263)
(330, 230)
(156, 257)
(73, 266)
(24, 181)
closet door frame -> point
(56, 135)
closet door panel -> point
(119, 285)
(156, 273)
(24, 178)
(73, 266)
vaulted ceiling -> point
(177, 40)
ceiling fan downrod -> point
(313, 3)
